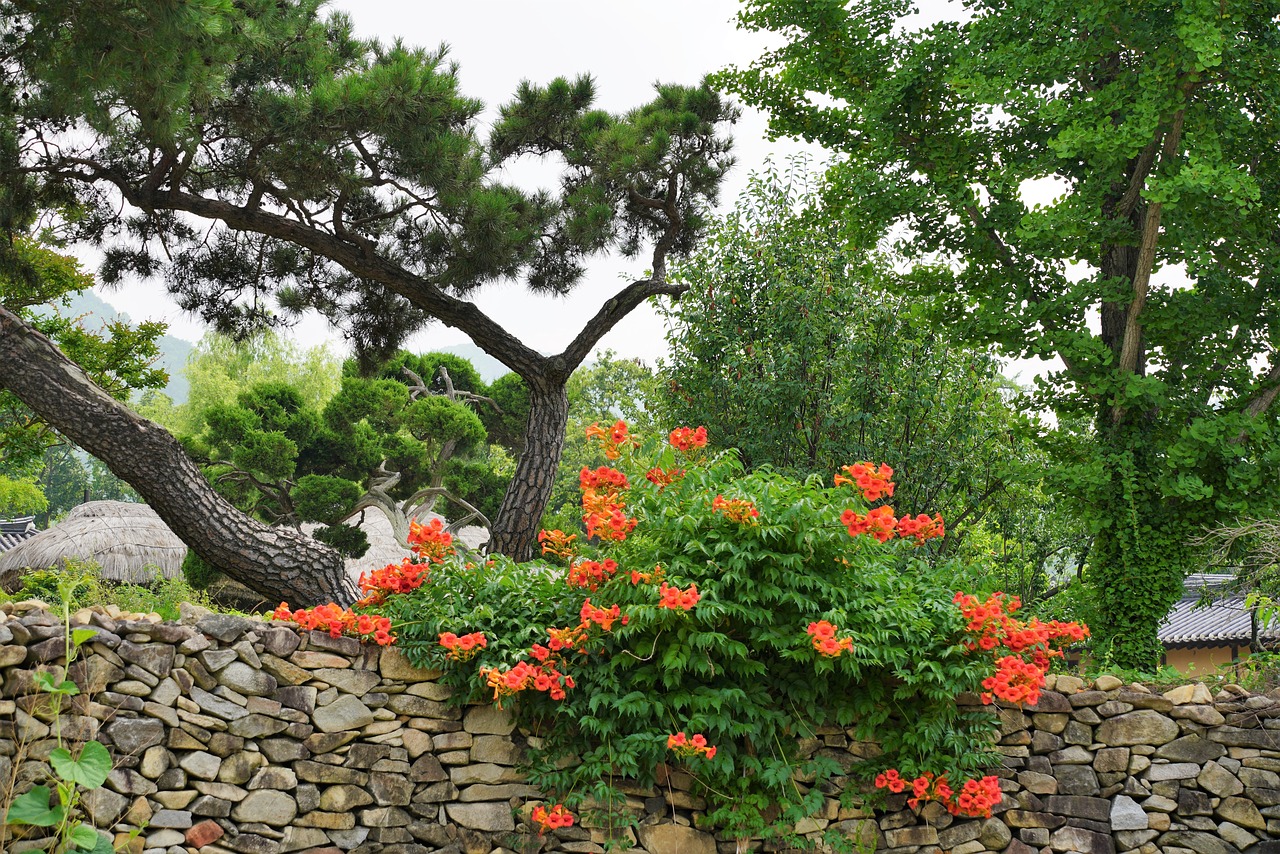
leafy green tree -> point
(387, 442)
(788, 347)
(36, 282)
(222, 367)
(333, 173)
(1152, 273)
(66, 397)
(608, 389)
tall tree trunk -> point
(515, 530)
(1140, 555)
(278, 563)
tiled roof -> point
(14, 531)
(1222, 621)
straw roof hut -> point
(127, 540)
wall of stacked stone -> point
(236, 736)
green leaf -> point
(83, 837)
(101, 845)
(33, 808)
(90, 769)
(44, 681)
(79, 637)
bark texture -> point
(515, 531)
(278, 563)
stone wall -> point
(237, 736)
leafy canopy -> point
(1102, 179)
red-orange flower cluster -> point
(677, 599)
(558, 544)
(873, 480)
(687, 438)
(546, 678)
(663, 478)
(393, 578)
(737, 510)
(825, 641)
(463, 647)
(922, 527)
(550, 819)
(613, 439)
(689, 746)
(338, 621)
(591, 574)
(654, 577)
(879, 523)
(890, 780)
(602, 617)
(975, 800)
(430, 542)
(603, 508)
(571, 637)
(992, 626)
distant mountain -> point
(173, 351)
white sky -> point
(626, 47)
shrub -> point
(735, 607)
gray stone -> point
(1197, 842)
(154, 658)
(488, 720)
(216, 706)
(1173, 771)
(393, 817)
(266, 806)
(358, 682)
(272, 777)
(1127, 815)
(1219, 781)
(995, 835)
(344, 714)
(1077, 840)
(1191, 748)
(1077, 780)
(201, 765)
(1140, 727)
(316, 772)
(225, 627)
(1242, 812)
(255, 726)
(344, 798)
(1094, 809)
(674, 839)
(216, 659)
(134, 735)
(176, 819)
(247, 680)
(390, 790)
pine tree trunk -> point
(515, 531)
(278, 563)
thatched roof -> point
(127, 540)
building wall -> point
(1204, 661)
(234, 736)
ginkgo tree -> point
(1102, 178)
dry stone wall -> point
(235, 736)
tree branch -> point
(618, 307)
